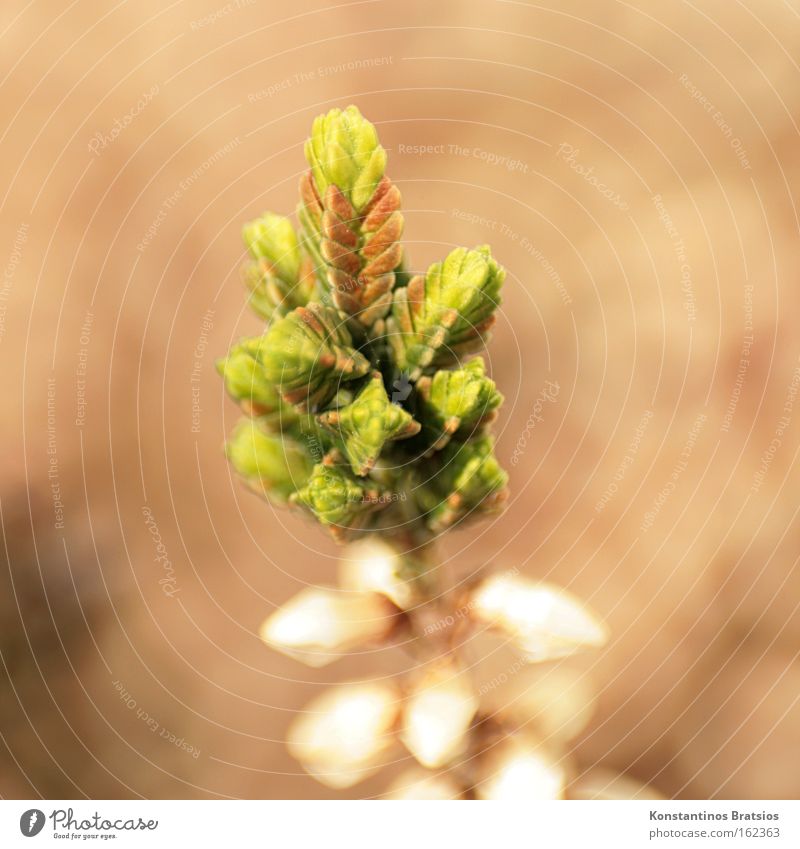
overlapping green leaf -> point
(367, 424)
(338, 499)
(445, 314)
(278, 277)
(308, 355)
(456, 403)
(350, 215)
(273, 465)
(470, 482)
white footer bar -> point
(402, 825)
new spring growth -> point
(341, 334)
(368, 407)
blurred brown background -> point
(634, 166)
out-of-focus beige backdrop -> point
(634, 166)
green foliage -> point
(246, 382)
(447, 313)
(469, 478)
(273, 465)
(350, 215)
(337, 498)
(458, 403)
(344, 151)
(277, 275)
(367, 424)
(308, 354)
(365, 411)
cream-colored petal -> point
(521, 769)
(543, 620)
(318, 625)
(373, 566)
(438, 714)
(344, 735)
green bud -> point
(273, 465)
(367, 424)
(346, 319)
(272, 238)
(246, 382)
(456, 403)
(344, 151)
(350, 216)
(309, 353)
(470, 480)
(337, 498)
(277, 277)
(447, 313)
